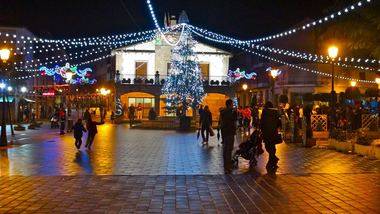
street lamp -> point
(23, 89)
(4, 56)
(274, 73)
(353, 83)
(333, 53)
(245, 87)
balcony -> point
(160, 80)
(152, 84)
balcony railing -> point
(160, 80)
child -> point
(78, 133)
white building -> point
(142, 61)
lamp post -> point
(274, 73)
(4, 56)
(377, 80)
(333, 53)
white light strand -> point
(285, 63)
(311, 57)
(153, 15)
(342, 60)
(77, 55)
(303, 68)
(102, 40)
(314, 23)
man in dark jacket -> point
(227, 125)
(269, 124)
(206, 124)
(92, 131)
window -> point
(205, 70)
(168, 66)
(141, 69)
(145, 102)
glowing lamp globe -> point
(353, 83)
(377, 80)
(4, 54)
(9, 88)
(2, 85)
(333, 52)
(23, 89)
(245, 87)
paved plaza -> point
(140, 171)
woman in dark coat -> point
(270, 122)
(92, 131)
(206, 123)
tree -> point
(183, 87)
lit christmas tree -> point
(183, 87)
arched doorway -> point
(135, 98)
(215, 101)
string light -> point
(77, 55)
(301, 55)
(285, 63)
(314, 23)
(153, 15)
(303, 68)
(229, 40)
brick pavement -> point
(139, 171)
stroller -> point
(249, 149)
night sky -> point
(78, 18)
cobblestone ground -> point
(140, 171)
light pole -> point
(333, 53)
(274, 73)
(4, 56)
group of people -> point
(269, 126)
(91, 128)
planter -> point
(342, 146)
(363, 150)
(377, 151)
(19, 128)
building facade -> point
(142, 68)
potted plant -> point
(342, 141)
(363, 144)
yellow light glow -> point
(353, 83)
(333, 52)
(274, 73)
(4, 54)
(104, 91)
(377, 80)
(245, 87)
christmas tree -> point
(183, 87)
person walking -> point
(86, 115)
(206, 124)
(62, 116)
(131, 114)
(227, 125)
(92, 131)
(78, 133)
(139, 111)
(269, 124)
(246, 114)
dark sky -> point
(73, 18)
